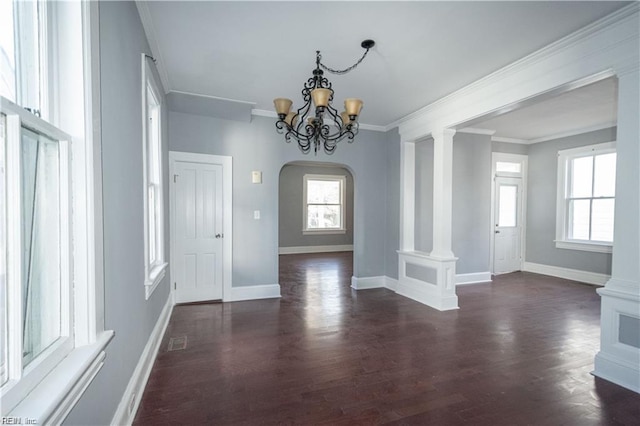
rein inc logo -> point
(18, 421)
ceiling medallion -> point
(322, 125)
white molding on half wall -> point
(314, 249)
(473, 278)
(253, 292)
(566, 273)
(128, 406)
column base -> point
(619, 358)
(428, 280)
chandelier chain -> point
(346, 70)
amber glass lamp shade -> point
(353, 106)
(291, 119)
(321, 97)
(345, 118)
(283, 106)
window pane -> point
(41, 284)
(152, 223)
(323, 192)
(7, 52)
(579, 219)
(323, 217)
(581, 177)
(3, 254)
(602, 220)
(504, 166)
(507, 208)
(605, 179)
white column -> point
(442, 193)
(619, 357)
(407, 195)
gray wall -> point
(392, 239)
(291, 205)
(471, 240)
(424, 196)
(510, 148)
(471, 200)
(257, 146)
(541, 206)
(122, 40)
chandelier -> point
(322, 125)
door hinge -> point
(174, 178)
(175, 286)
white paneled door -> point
(508, 225)
(198, 231)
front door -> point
(508, 226)
(198, 231)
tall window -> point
(35, 195)
(586, 197)
(155, 264)
(48, 290)
(324, 204)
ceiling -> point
(587, 108)
(257, 51)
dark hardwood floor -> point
(518, 352)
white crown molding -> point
(605, 42)
(217, 98)
(272, 114)
(476, 131)
(509, 140)
(264, 113)
(149, 30)
(574, 132)
(554, 136)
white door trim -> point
(524, 160)
(227, 213)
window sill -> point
(584, 246)
(155, 277)
(56, 395)
(323, 231)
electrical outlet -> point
(256, 214)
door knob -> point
(497, 232)
(219, 235)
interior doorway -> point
(315, 213)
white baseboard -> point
(314, 249)
(566, 273)
(427, 294)
(253, 292)
(473, 278)
(618, 371)
(128, 406)
(365, 283)
(381, 281)
(390, 283)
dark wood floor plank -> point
(519, 351)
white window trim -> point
(154, 272)
(333, 231)
(561, 241)
(50, 400)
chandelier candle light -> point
(309, 126)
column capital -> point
(443, 133)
